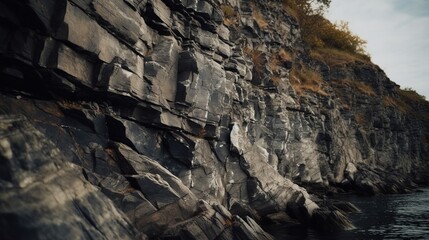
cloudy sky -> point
(397, 32)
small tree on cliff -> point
(318, 32)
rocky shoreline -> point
(181, 119)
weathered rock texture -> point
(167, 119)
(44, 196)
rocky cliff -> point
(188, 119)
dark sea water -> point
(382, 217)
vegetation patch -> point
(334, 57)
(274, 63)
(356, 85)
(285, 56)
(389, 101)
(408, 101)
(278, 59)
(290, 8)
(319, 32)
(259, 18)
(276, 80)
(360, 118)
(411, 95)
(230, 16)
(414, 103)
(306, 79)
(257, 57)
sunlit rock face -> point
(130, 119)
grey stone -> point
(223, 32)
(142, 165)
(45, 196)
(181, 148)
(243, 210)
(136, 4)
(180, 25)
(203, 226)
(245, 231)
(204, 8)
(159, 221)
(143, 140)
(135, 205)
(117, 80)
(50, 14)
(204, 179)
(84, 32)
(206, 39)
(222, 151)
(159, 13)
(224, 49)
(59, 56)
(158, 191)
(120, 17)
(161, 68)
(331, 221)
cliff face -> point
(188, 119)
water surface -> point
(404, 216)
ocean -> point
(401, 216)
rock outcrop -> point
(44, 196)
(181, 119)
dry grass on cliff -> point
(356, 85)
(407, 102)
(318, 32)
(274, 63)
(257, 57)
(230, 16)
(334, 57)
(414, 103)
(278, 59)
(399, 104)
(360, 118)
(285, 56)
(276, 80)
(306, 79)
(290, 9)
(411, 95)
(259, 18)
(389, 101)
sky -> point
(397, 32)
